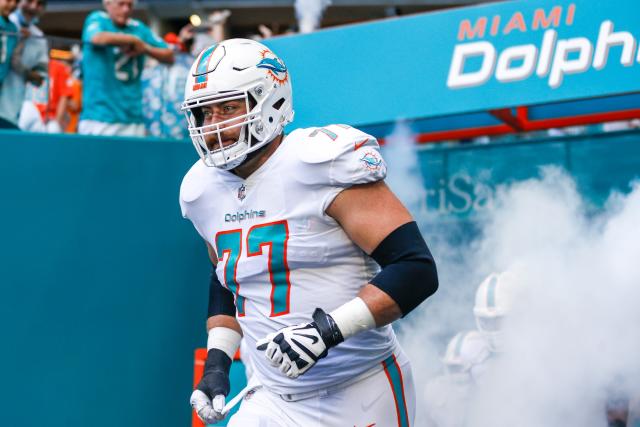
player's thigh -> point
(384, 399)
(257, 410)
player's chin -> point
(213, 144)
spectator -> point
(29, 61)
(70, 105)
(163, 89)
(7, 46)
(115, 46)
(46, 98)
(8, 40)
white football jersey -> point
(281, 255)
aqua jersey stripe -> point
(394, 375)
(491, 292)
(203, 64)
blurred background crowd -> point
(90, 67)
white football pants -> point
(383, 397)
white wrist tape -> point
(353, 317)
(224, 339)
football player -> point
(113, 54)
(313, 255)
(447, 396)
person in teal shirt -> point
(8, 41)
(8, 37)
(115, 46)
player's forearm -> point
(382, 307)
(407, 278)
(117, 39)
(372, 308)
(161, 54)
(223, 321)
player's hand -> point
(208, 398)
(209, 411)
(295, 349)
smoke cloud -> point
(309, 14)
(574, 332)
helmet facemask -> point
(491, 327)
(464, 352)
(224, 157)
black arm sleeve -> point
(220, 298)
(408, 273)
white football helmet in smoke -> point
(237, 69)
(494, 299)
(465, 355)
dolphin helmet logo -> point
(274, 66)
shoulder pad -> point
(193, 186)
(322, 144)
(342, 155)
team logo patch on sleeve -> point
(371, 161)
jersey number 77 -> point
(274, 235)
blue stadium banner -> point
(465, 60)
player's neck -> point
(251, 165)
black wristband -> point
(328, 328)
(215, 379)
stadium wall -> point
(460, 181)
(104, 285)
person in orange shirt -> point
(59, 73)
(70, 105)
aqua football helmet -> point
(237, 69)
(494, 299)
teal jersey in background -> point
(163, 93)
(7, 45)
(112, 92)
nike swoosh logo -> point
(360, 144)
(313, 338)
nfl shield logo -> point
(242, 192)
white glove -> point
(295, 349)
(209, 412)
